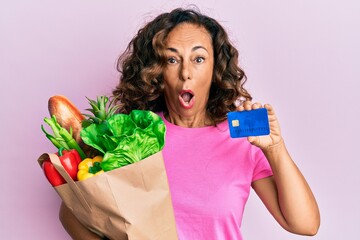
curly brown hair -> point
(141, 83)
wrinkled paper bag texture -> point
(129, 203)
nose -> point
(185, 71)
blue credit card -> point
(248, 123)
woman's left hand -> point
(274, 137)
(286, 194)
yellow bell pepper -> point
(89, 167)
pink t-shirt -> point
(210, 175)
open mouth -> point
(187, 98)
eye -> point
(172, 60)
(199, 59)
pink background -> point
(300, 56)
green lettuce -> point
(126, 139)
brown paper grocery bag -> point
(128, 203)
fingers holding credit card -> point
(260, 127)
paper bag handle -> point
(59, 167)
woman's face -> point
(188, 73)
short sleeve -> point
(262, 167)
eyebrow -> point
(193, 49)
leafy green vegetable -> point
(125, 139)
(99, 137)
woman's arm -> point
(286, 194)
(73, 227)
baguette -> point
(67, 114)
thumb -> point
(252, 140)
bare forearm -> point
(73, 227)
(296, 200)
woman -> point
(183, 66)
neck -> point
(197, 121)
